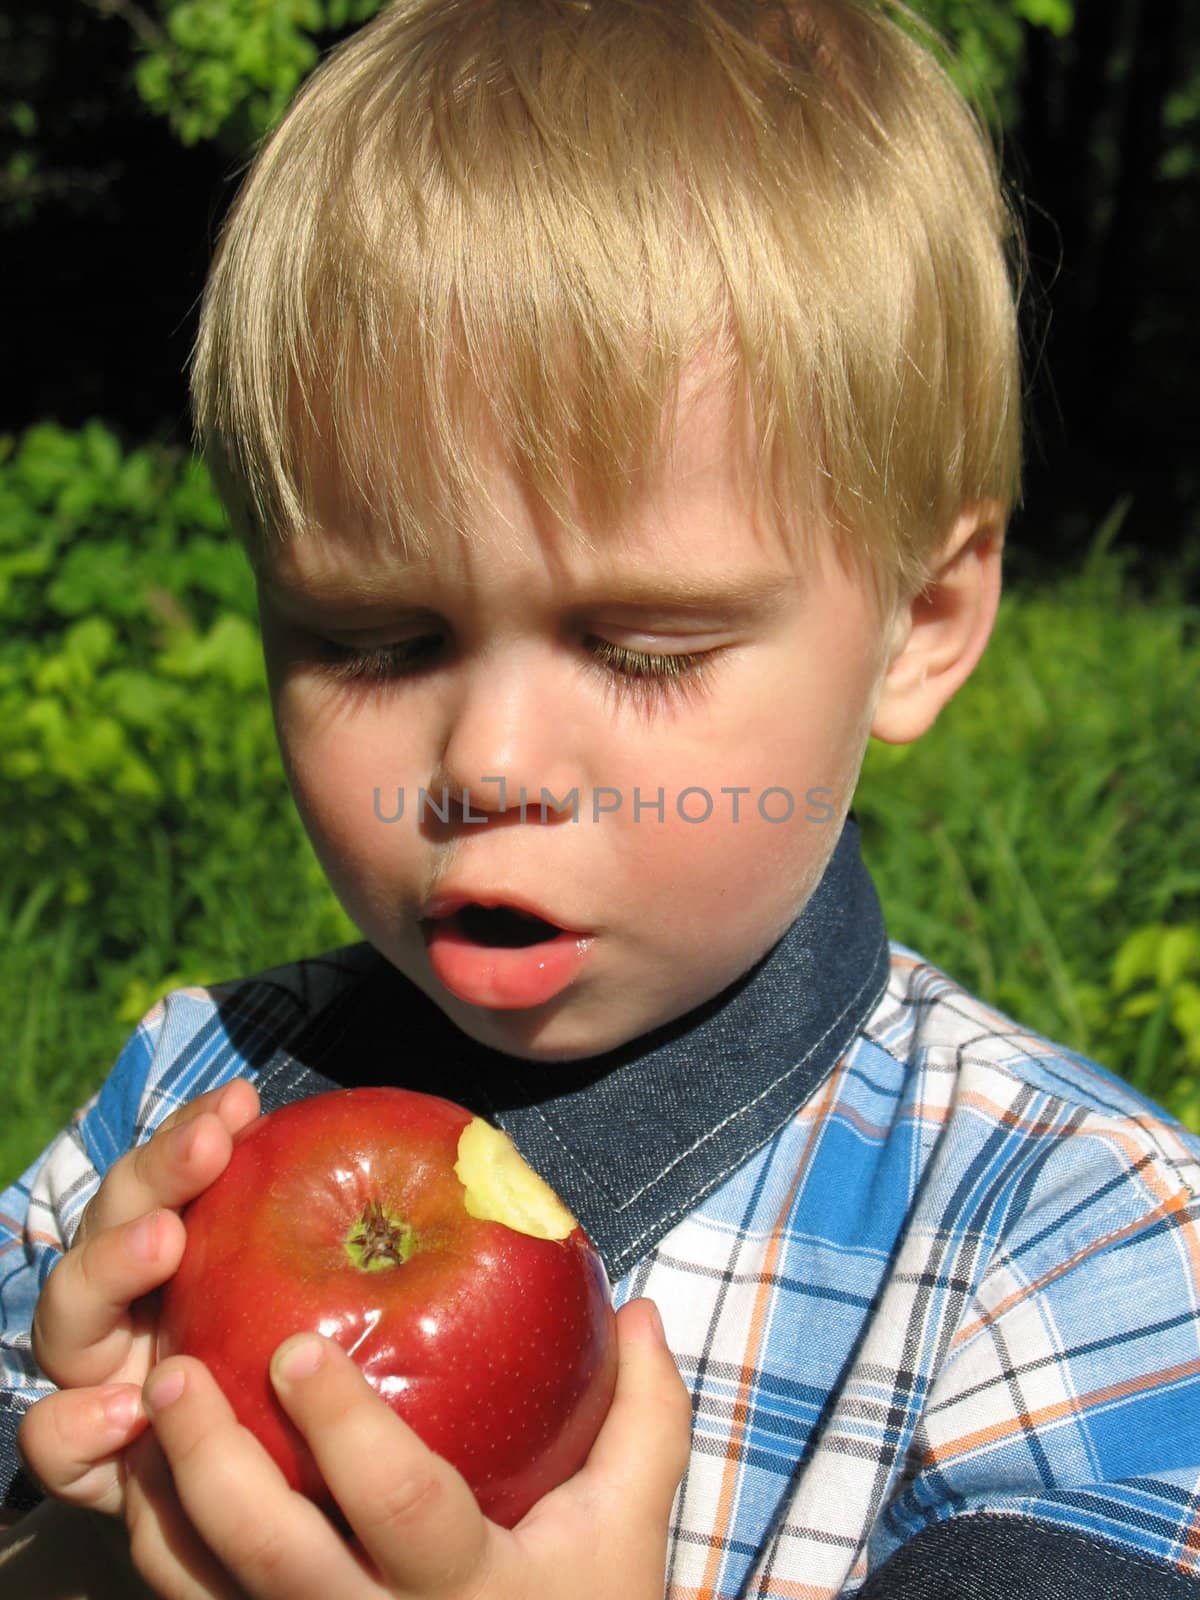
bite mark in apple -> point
(501, 1186)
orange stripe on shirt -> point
(1179, 1202)
(763, 1302)
(997, 1432)
(23, 1238)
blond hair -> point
(529, 218)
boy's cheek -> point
(751, 857)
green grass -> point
(1042, 843)
(63, 1035)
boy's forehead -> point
(311, 564)
(692, 534)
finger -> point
(164, 1546)
(642, 1450)
(184, 1155)
(81, 1325)
(414, 1515)
(71, 1440)
(274, 1543)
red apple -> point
(417, 1236)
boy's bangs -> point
(490, 326)
(489, 226)
(496, 266)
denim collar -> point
(635, 1138)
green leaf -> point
(135, 486)
(1178, 953)
(96, 577)
(1137, 957)
(1185, 1014)
(231, 652)
(102, 449)
(90, 643)
(47, 456)
(187, 26)
(1152, 1045)
(141, 700)
(31, 563)
(1140, 1005)
(152, 79)
(306, 14)
(1057, 15)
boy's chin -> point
(574, 1027)
(555, 1032)
(571, 1027)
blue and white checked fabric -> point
(961, 1278)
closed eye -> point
(381, 663)
(642, 675)
(651, 678)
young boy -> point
(618, 400)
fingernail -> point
(162, 1390)
(121, 1406)
(299, 1357)
(141, 1238)
(657, 1321)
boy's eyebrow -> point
(366, 586)
(667, 591)
(676, 591)
(703, 593)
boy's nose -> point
(507, 737)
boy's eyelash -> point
(630, 672)
(649, 678)
(378, 665)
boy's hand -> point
(211, 1517)
(94, 1329)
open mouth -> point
(501, 927)
(499, 956)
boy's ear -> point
(940, 633)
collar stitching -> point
(736, 1161)
(568, 1150)
(783, 1077)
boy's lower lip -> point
(500, 978)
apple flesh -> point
(416, 1236)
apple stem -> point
(378, 1240)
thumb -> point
(642, 1450)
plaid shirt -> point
(954, 1290)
